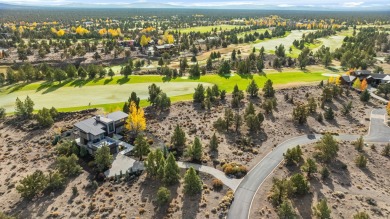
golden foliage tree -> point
(363, 85)
(144, 40)
(388, 108)
(357, 84)
(338, 80)
(168, 38)
(136, 121)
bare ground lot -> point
(275, 129)
(347, 191)
(24, 149)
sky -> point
(249, 4)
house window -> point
(110, 127)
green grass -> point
(204, 29)
(224, 83)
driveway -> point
(247, 189)
(123, 163)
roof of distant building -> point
(96, 124)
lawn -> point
(287, 41)
(204, 29)
(110, 94)
(241, 35)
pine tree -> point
(300, 114)
(192, 182)
(29, 107)
(151, 164)
(178, 139)
(237, 120)
(228, 117)
(268, 89)
(365, 96)
(44, 117)
(68, 166)
(328, 147)
(195, 151)
(321, 210)
(253, 89)
(154, 91)
(32, 185)
(309, 167)
(141, 146)
(214, 143)
(286, 211)
(20, 110)
(199, 94)
(171, 170)
(103, 158)
(329, 114)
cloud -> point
(352, 4)
(285, 5)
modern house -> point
(348, 79)
(98, 131)
(376, 79)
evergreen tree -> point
(329, 114)
(209, 64)
(192, 182)
(228, 117)
(163, 195)
(178, 139)
(300, 184)
(268, 89)
(32, 185)
(214, 143)
(309, 167)
(68, 166)
(365, 96)
(195, 151)
(199, 94)
(55, 181)
(321, 210)
(154, 91)
(141, 146)
(103, 158)
(171, 170)
(252, 89)
(286, 211)
(361, 215)
(44, 117)
(328, 147)
(300, 114)
(237, 120)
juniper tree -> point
(214, 143)
(195, 150)
(268, 89)
(327, 147)
(309, 167)
(199, 94)
(321, 210)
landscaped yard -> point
(110, 94)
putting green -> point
(68, 97)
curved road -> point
(245, 193)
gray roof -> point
(96, 124)
(362, 72)
(118, 115)
(378, 76)
(91, 126)
(348, 78)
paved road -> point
(240, 208)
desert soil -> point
(347, 191)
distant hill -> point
(173, 5)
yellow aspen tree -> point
(338, 80)
(388, 108)
(363, 85)
(136, 121)
(331, 80)
(357, 84)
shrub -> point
(163, 195)
(324, 173)
(234, 169)
(386, 151)
(361, 161)
(217, 184)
